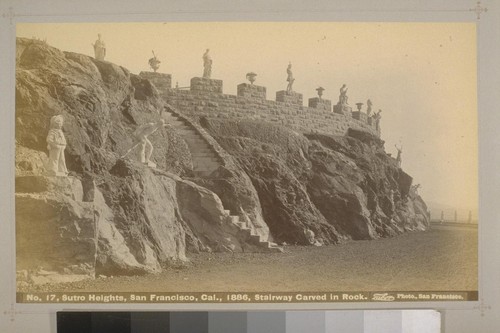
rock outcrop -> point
(113, 215)
(338, 187)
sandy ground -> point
(440, 259)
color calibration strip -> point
(354, 321)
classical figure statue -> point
(376, 117)
(343, 95)
(369, 107)
(289, 78)
(207, 65)
(398, 158)
(141, 139)
(99, 48)
(56, 144)
(154, 62)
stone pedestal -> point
(251, 91)
(289, 97)
(360, 116)
(201, 84)
(161, 81)
(343, 109)
(320, 104)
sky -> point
(421, 75)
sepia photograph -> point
(246, 162)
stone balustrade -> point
(205, 98)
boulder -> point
(54, 230)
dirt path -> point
(433, 260)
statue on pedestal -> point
(369, 107)
(289, 78)
(207, 65)
(56, 144)
(154, 62)
(99, 48)
(343, 95)
(400, 152)
(141, 137)
(376, 117)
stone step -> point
(205, 164)
(196, 146)
(206, 159)
(203, 173)
(199, 169)
(234, 219)
(197, 142)
(176, 123)
(242, 225)
(270, 247)
(204, 155)
(206, 167)
(209, 170)
(188, 133)
(255, 238)
(188, 129)
(210, 158)
(204, 151)
(191, 136)
(182, 129)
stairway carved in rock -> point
(205, 162)
(205, 159)
(250, 236)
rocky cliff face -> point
(338, 187)
(117, 216)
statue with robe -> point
(56, 144)
(99, 48)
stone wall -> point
(160, 80)
(205, 99)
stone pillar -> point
(161, 81)
(320, 104)
(203, 84)
(251, 91)
(289, 97)
(360, 116)
(343, 109)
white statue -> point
(56, 144)
(99, 48)
(376, 117)
(369, 108)
(207, 65)
(141, 136)
(399, 158)
(343, 95)
(289, 78)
